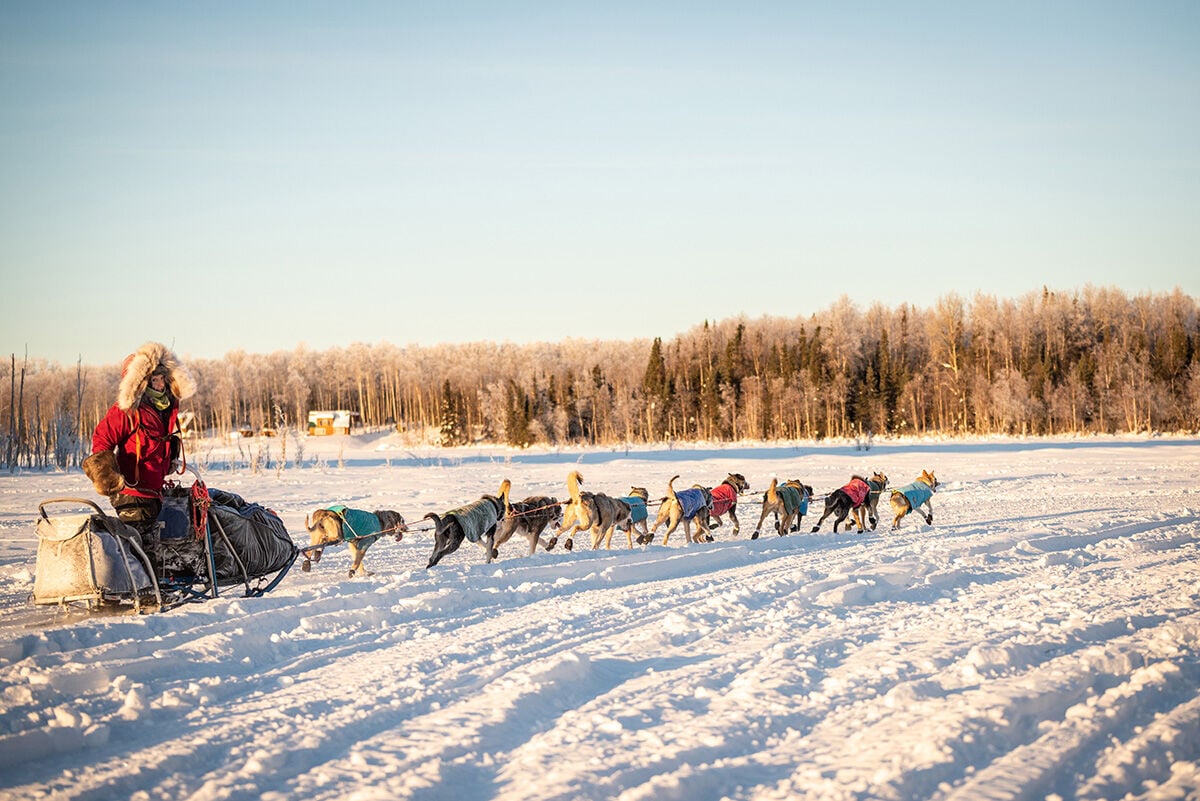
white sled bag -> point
(80, 559)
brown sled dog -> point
(725, 500)
(787, 502)
(529, 517)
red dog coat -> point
(724, 497)
(857, 489)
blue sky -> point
(226, 176)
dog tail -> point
(671, 487)
(437, 521)
(574, 479)
(307, 526)
(505, 486)
(773, 490)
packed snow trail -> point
(1041, 639)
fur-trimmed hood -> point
(138, 367)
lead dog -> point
(787, 501)
(725, 499)
(913, 496)
(529, 517)
(475, 522)
(358, 529)
(684, 507)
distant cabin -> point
(324, 424)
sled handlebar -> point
(84, 501)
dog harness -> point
(857, 489)
(357, 524)
(476, 518)
(637, 507)
(724, 497)
(917, 493)
(691, 501)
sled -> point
(205, 541)
(91, 560)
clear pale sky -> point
(223, 176)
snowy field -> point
(1040, 640)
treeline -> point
(1092, 360)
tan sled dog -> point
(358, 529)
(787, 502)
(684, 506)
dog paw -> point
(569, 545)
(306, 566)
(495, 554)
(754, 536)
(716, 524)
(551, 543)
(815, 529)
(708, 538)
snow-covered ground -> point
(1040, 640)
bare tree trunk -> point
(12, 415)
(21, 445)
(81, 449)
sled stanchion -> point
(149, 571)
(233, 552)
(212, 562)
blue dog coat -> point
(637, 506)
(917, 493)
(691, 501)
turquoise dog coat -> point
(917, 493)
(637, 507)
(356, 524)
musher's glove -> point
(101, 468)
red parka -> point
(142, 439)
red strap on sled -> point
(201, 500)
